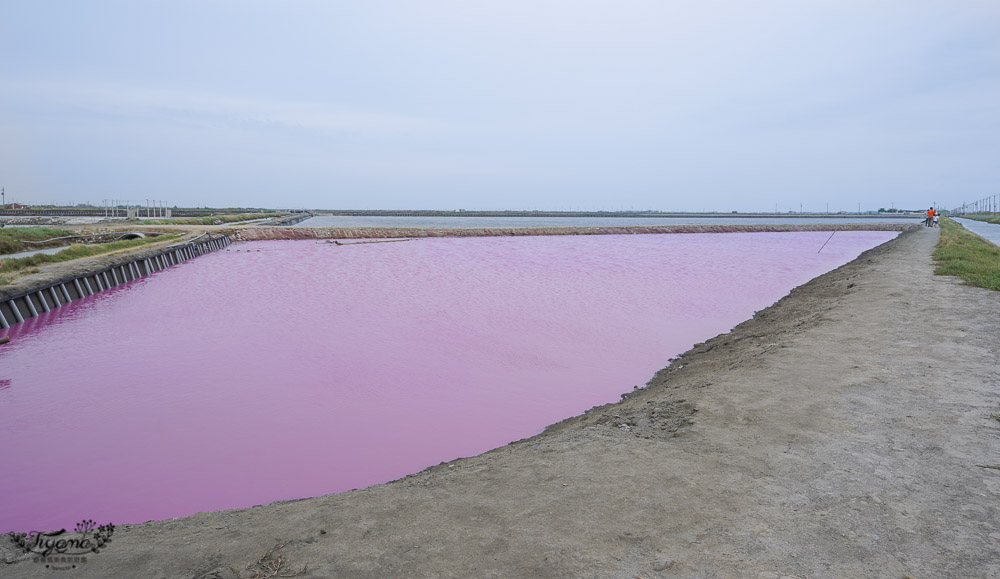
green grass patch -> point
(210, 220)
(964, 254)
(12, 238)
(986, 218)
(20, 264)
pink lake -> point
(288, 369)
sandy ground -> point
(843, 432)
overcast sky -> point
(673, 105)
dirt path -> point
(837, 434)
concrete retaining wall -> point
(290, 219)
(16, 308)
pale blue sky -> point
(674, 105)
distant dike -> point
(604, 214)
(272, 232)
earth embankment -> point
(304, 232)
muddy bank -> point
(846, 431)
(254, 233)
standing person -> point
(935, 219)
(930, 218)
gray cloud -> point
(662, 105)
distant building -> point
(14, 206)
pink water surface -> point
(289, 369)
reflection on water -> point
(301, 368)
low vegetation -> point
(209, 220)
(966, 255)
(21, 264)
(12, 238)
(982, 217)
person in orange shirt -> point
(929, 222)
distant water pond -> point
(457, 221)
(285, 369)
